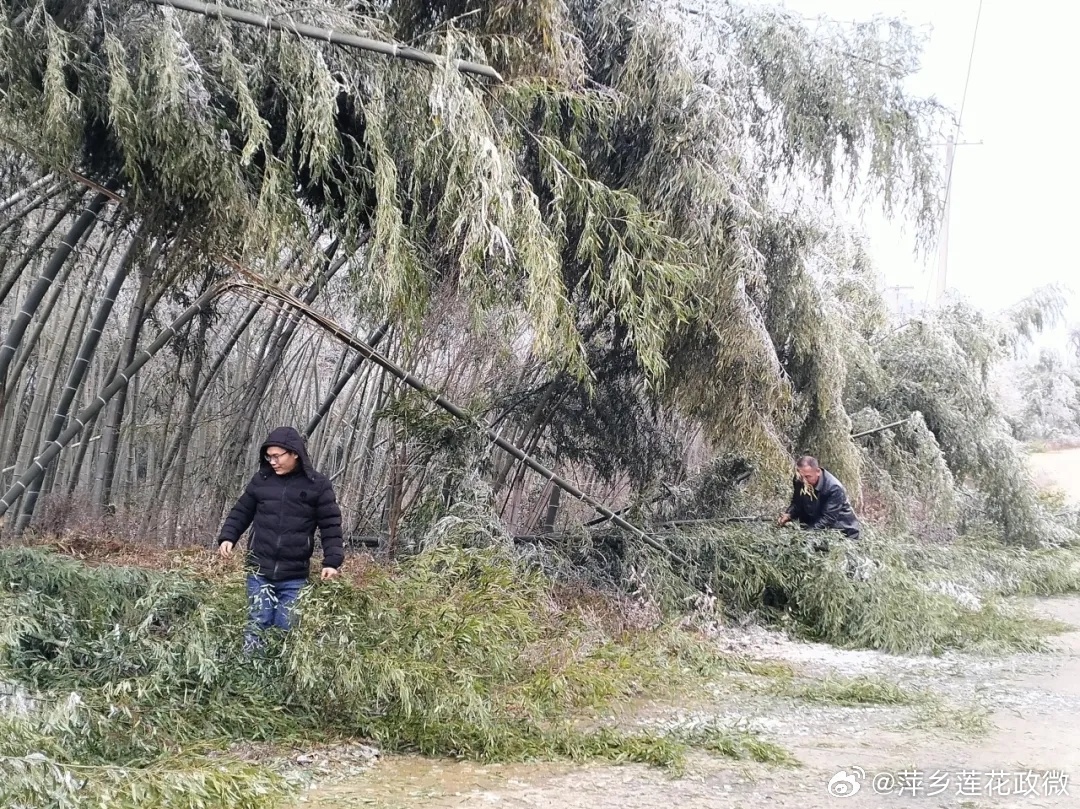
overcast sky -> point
(1015, 216)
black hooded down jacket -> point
(824, 506)
(283, 512)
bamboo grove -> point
(619, 254)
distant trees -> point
(1048, 402)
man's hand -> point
(783, 519)
(328, 573)
(225, 550)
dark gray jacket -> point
(824, 506)
(283, 512)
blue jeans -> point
(269, 605)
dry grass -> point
(200, 561)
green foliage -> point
(1043, 309)
(37, 780)
(816, 324)
(135, 686)
(623, 175)
(965, 722)
(466, 653)
(736, 745)
(712, 491)
(878, 592)
(941, 368)
(1048, 396)
(829, 102)
(614, 424)
(848, 691)
(132, 683)
(611, 211)
(131, 686)
(907, 468)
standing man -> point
(819, 501)
(285, 501)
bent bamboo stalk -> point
(326, 35)
(41, 462)
(258, 287)
(250, 284)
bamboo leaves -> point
(399, 282)
(310, 124)
(454, 653)
(545, 290)
(254, 128)
(62, 108)
(123, 114)
(39, 780)
(619, 212)
(640, 217)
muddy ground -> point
(983, 732)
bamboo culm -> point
(28, 256)
(123, 379)
(372, 340)
(82, 226)
(326, 35)
(440, 401)
(78, 371)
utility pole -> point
(943, 243)
(941, 280)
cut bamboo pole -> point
(326, 35)
(882, 428)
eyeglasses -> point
(276, 457)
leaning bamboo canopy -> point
(327, 35)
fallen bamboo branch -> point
(326, 35)
(71, 173)
(882, 428)
(601, 519)
(712, 520)
(257, 284)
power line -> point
(971, 60)
(951, 160)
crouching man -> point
(284, 502)
(819, 501)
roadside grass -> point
(965, 722)
(848, 691)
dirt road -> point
(985, 732)
(925, 755)
(1061, 469)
